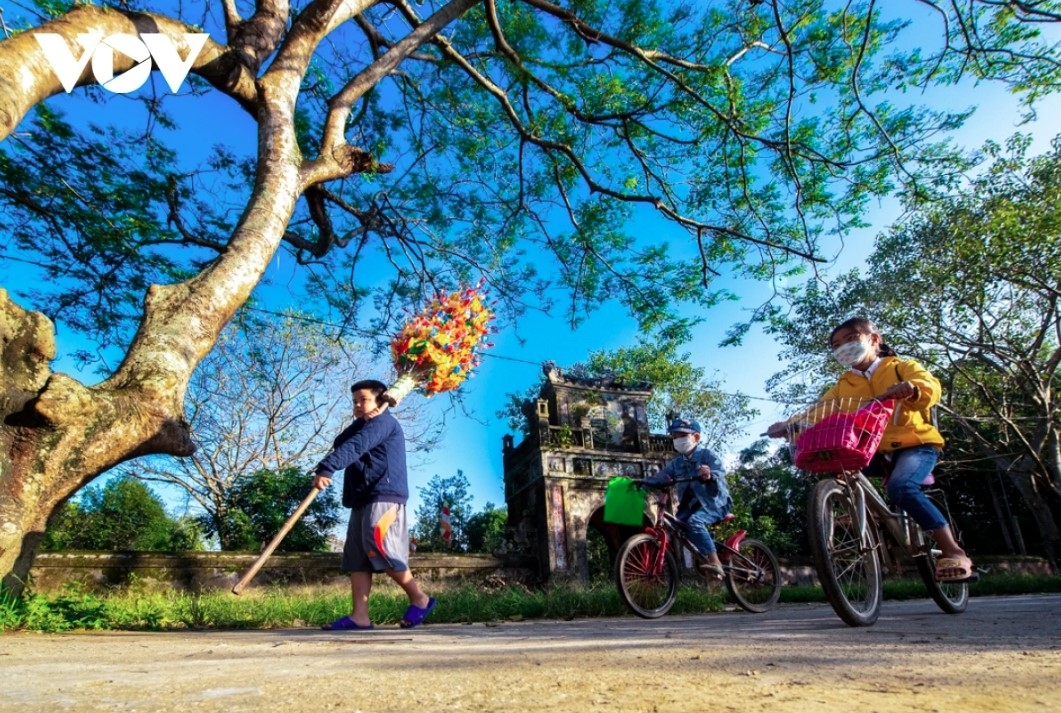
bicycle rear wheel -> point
(848, 565)
(648, 586)
(753, 576)
(951, 597)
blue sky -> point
(472, 440)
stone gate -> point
(582, 433)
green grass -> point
(137, 607)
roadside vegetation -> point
(140, 608)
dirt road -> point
(1002, 654)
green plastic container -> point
(623, 503)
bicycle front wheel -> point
(848, 565)
(753, 576)
(647, 583)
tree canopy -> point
(480, 129)
(486, 529)
(402, 148)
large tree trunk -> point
(57, 434)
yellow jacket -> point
(910, 425)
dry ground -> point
(1002, 654)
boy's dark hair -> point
(863, 326)
(375, 386)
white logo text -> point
(100, 51)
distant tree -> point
(770, 497)
(123, 514)
(486, 529)
(66, 525)
(678, 387)
(257, 506)
(439, 491)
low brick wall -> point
(200, 571)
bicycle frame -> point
(872, 510)
(669, 530)
(867, 499)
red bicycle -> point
(647, 572)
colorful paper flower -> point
(440, 347)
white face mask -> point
(852, 353)
(685, 445)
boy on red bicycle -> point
(700, 488)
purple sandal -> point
(345, 624)
(414, 615)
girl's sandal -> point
(953, 570)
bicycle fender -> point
(734, 540)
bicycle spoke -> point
(753, 576)
(646, 577)
(847, 562)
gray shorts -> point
(377, 539)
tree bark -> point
(1025, 481)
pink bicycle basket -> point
(843, 441)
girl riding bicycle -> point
(703, 498)
(910, 442)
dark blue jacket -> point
(373, 455)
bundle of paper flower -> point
(439, 348)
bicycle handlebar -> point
(645, 483)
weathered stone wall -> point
(203, 571)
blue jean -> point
(910, 468)
(696, 529)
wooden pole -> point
(258, 563)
